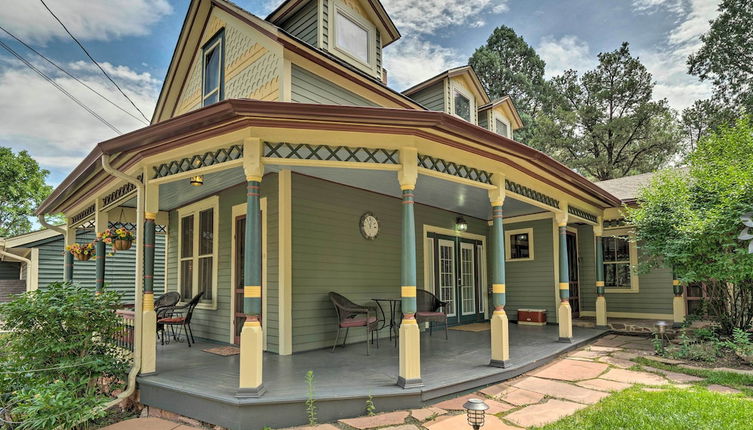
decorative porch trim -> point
(531, 194)
(209, 158)
(89, 225)
(612, 223)
(454, 169)
(120, 193)
(83, 215)
(305, 151)
(580, 213)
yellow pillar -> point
(149, 316)
(601, 301)
(678, 304)
(500, 333)
(564, 312)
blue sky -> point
(134, 40)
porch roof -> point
(235, 114)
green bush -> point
(59, 365)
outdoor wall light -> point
(197, 180)
(475, 409)
(461, 224)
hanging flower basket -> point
(122, 244)
(120, 238)
(82, 252)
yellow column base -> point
(148, 342)
(410, 355)
(500, 339)
(601, 311)
(251, 359)
(678, 310)
(565, 319)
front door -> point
(457, 277)
(240, 251)
(572, 261)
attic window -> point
(352, 37)
(213, 85)
(502, 128)
(462, 106)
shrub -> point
(58, 364)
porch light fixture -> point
(475, 410)
(197, 180)
(461, 224)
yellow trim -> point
(498, 203)
(252, 291)
(409, 321)
(675, 282)
(407, 187)
(150, 215)
(564, 286)
(253, 178)
(599, 283)
(630, 315)
(251, 324)
(408, 291)
(148, 301)
(498, 288)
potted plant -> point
(120, 238)
(81, 252)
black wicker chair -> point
(181, 316)
(430, 309)
(163, 305)
(350, 315)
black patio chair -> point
(162, 307)
(430, 309)
(350, 315)
(181, 316)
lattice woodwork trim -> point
(304, 151)
(531, 194)
(454, 169)
(209, 158)
(581, 213)
(120, 192)
(84, 214)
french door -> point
(572, 262)
(240, 251)
(456, 273)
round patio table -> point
(394, 305)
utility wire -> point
(56, 85)
(70, 75)
(92, 58)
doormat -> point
(475, 327)
(224, 351)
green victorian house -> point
(283, 168)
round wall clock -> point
(369, 226)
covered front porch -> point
(203, 385)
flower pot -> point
(82, 257)
(121, 244)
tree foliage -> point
(704, 117)
(22, 189)
(726, 56)
(690, 220)
(605, 123)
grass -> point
(670, 409)
(738, 381)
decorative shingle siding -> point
(303, 24)
(432, 97)
(309, 88)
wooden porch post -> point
(100, 224)
(410, 335)
(678, 304)
(252, 336)
(149, 337)
(601, 301)
(69, 239)
(499, 323)
(564, 312)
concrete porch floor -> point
(201, 385)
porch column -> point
(70, 239)
(564, 312)
(678, 304)
(410, 346)
(601, 301)
(499, 323)
(100, 224)
(252, 336)
(149, 339)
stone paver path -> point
(148, 424)
(572, 370)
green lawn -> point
(671, 409)
(739, 381)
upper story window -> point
(212, 69)
(502, 128)
(462, 106)
(352, 37)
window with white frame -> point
(519, 245)
(352, 37)
(616, 261)
(462, 106)
(502, 128)
(197, 251)
(212, 64)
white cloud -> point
(412, 60)
(428, 16)
(567, 52)
(86, 19)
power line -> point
(70, 75)
(56, 85)
(92, 58)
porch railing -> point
(124, 336)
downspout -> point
(139, 284)
(15, 257)
(49, 226)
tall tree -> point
(605, 124)
(705, 117)
(22, 189)
(726, 57)
(508, 66)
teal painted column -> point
(564, 266)
(252, 254)
(408, 263)
(599, 266)
(99, 249)
(498, 259)
(564, 311)
(68, 267)
(149, 239)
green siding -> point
(303, 24)
(587, 268)
(119, 268)
(215, 323)
(329, 253)
(325, 24)
(530, 284)
(432, 97)
(10, 270)
(309, 88)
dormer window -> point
(462, 106)
(352, 37)
(502, 128)
(212, 62)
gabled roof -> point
(30, 238)
(451, 73)
(507, 102)
(628, 188)
(382, 20)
